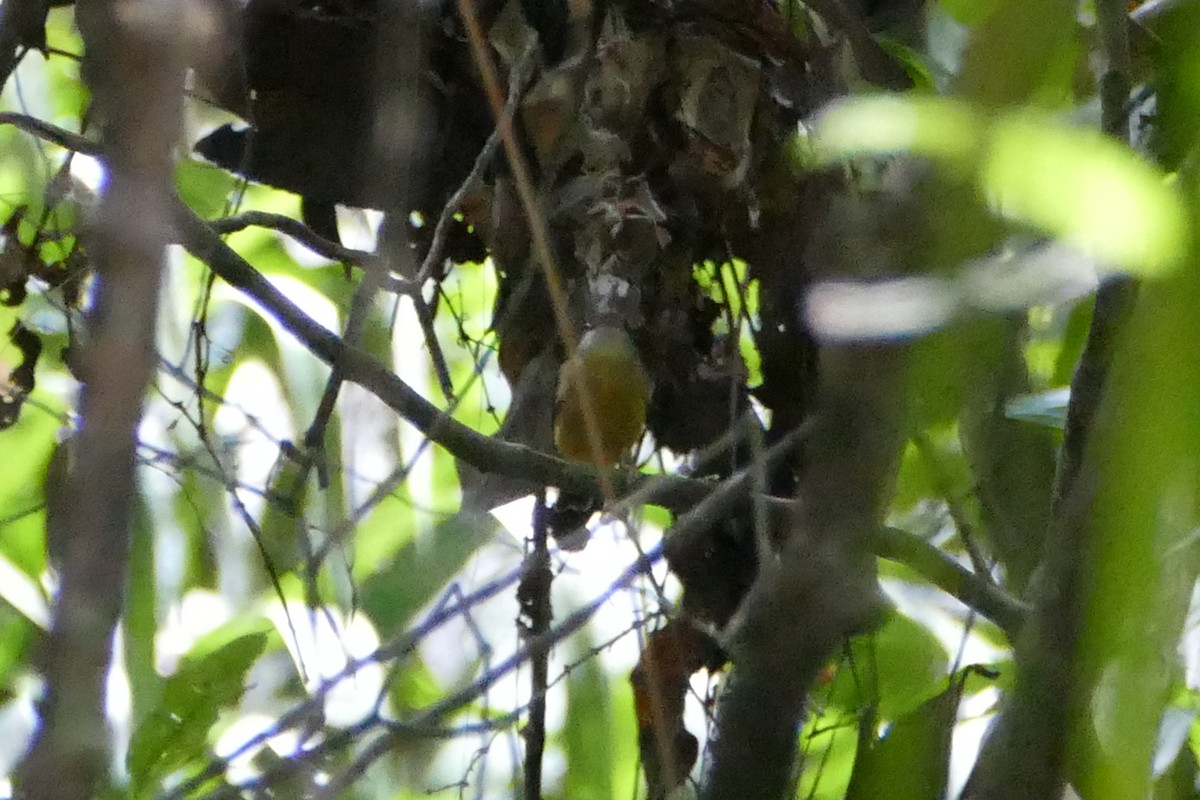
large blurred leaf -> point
(1071, 183)
(588, 732)
(1142, 564)
(422, 568)
(1086, 189)
(1018, 52)
(969, 12)
(176, 732)
(893, 669)
(912, 760)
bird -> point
(604, 377)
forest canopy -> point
(580, 399)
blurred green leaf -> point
(1017, 52)
(913, 62)
(27, 447)
(888, 124)
(203, 187)
(243, 626)
(1086, 189)
(285, 511)
(1140, 571)
(1072, 341)
(1075, 184)
(893, 670)
(177, 731)
(588, 732)
(422, 568)
(912, 760)
(17, 636)
(415, 686)
(969, 12)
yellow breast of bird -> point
(617, 389)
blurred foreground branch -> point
(823, 587)
(140, 109)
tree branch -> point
(974, 590)
(22, 27)
(822, 588)
(135, 66)
(536, 616)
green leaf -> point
(1140, 565)
(895, 668)
(240, 627)
(934, 466)
(1071, 343)
(422, 568)
(287, 502)
(17, 637)
(913, 63)
(969, 12)
(1086, 189)
(912, 760)
(1075, 184)
(27, 447)
(887, 124)
(176, 732)
(203, 187)
(1017, 54)
(588, 732)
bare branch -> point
(135, 67)
(823, 586)
(22, 27)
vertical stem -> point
(536, 616)
(1026, 754)
(135, 69)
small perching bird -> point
(607, 368)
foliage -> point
(313, 606)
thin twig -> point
(962, 525)
(400, 647)
(975, 591)
(298, 231)
(1114, 299)
(534, 597)
(539, 230)
(437, 358)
